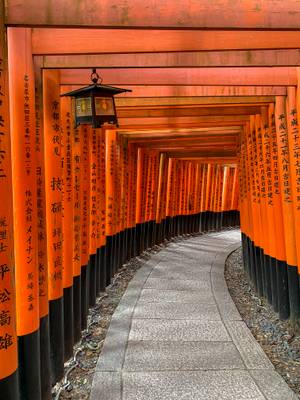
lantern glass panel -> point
(83, 107)
(104, 106)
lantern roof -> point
(96, 88)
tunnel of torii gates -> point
(207, 137)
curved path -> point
(177, 335)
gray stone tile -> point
(175, 310)
(272, 385)
(251, 352)
(181, 296)
(163, 356)
(189, 256)
(224, 301)
(178, 330)
(163, 273)
(106, 386)
(191, 385)
(174, 284)
(183, 265)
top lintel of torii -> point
(179, 14)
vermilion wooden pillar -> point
(8, 335)
(84, 217)
(169, 194)
(132, 197)
(225, 194)
(102, 209)
(110, 170)
(268, 198)
(294, 155)
(278, 261)
(98, 213)
(160, 198)
(93, 216)
(54, 191)
(76, 139)
(67, 224)
(139, 198)
(124, 201)
(22, 117)
(252, 206)
(203, 198)
(287, 206)
(42, 234)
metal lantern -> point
(94, 104)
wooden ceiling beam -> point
(247, 14)
(232, 58)
(205, 154)
(98, 41)
(260, 76)
(134, 112)
(171, 92)
(192, 101)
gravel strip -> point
(276, 337)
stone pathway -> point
(177, 335)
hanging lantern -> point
(94, 104)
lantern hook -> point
(95, 77)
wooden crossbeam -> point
(232, 58)
(92, 41)
(133, 112)
(277, 76)
(192, 101)
(267, 14)
(175, 91)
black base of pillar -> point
(268, 279)
(98, 283)
(282, 290)
(77, 308)
(84, 296)
(56, 321)
(259, 272)
(92, 280)
(29, 366)
(45, 364)
(68, 323)
(252, 264)
(294, 294)
(274, 284)
(102, 267)
(108, 259)
(9, 387)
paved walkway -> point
(176, 334)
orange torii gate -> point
(196, 148)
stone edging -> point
(114, 347)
